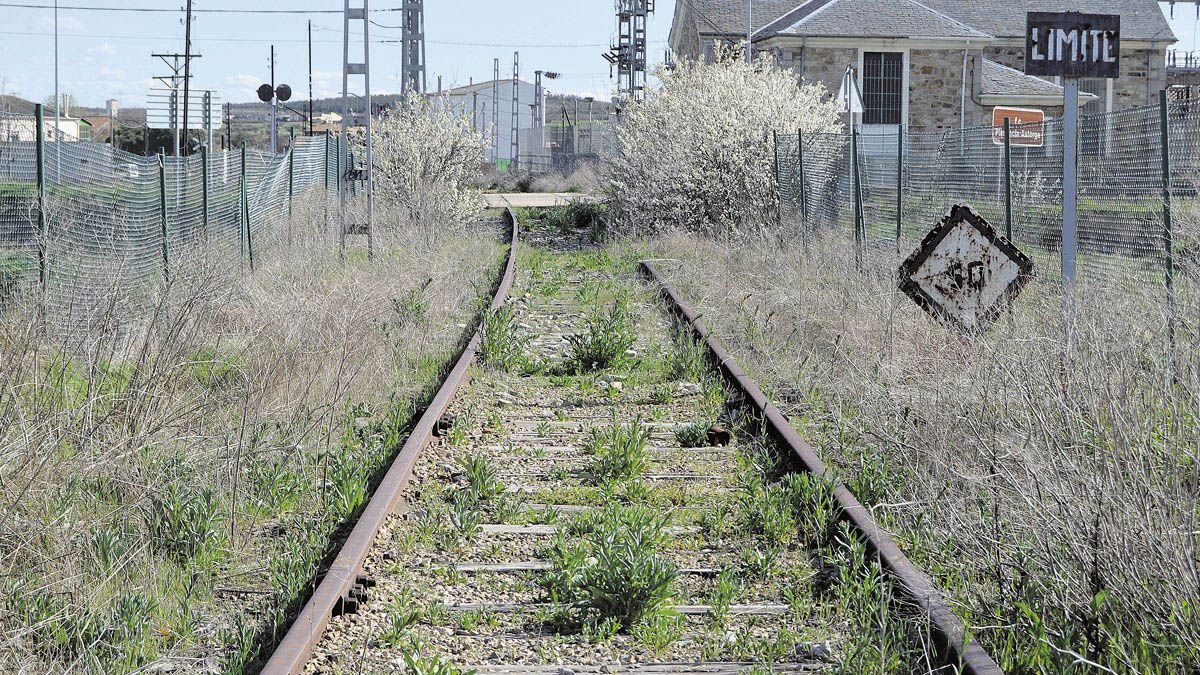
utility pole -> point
(310, 80)
(496, 112)
(515, 138)
(172, 81)
(187, 66)
(412, 67)
(274, 104)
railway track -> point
(606, 492)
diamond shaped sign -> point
(964, 273)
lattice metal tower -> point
(628, 56)
(515, 139)
(413, 40)
(357, 14)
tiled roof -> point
(729, 16)
(1004, 81)
(1140, 19)
(887, 19)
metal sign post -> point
(1071, 45)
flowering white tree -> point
(426, 155)
(698, 152)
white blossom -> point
(698, 152)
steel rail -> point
(954, 646)
(344, 585)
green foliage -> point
(721, 597)
(184, 524)
(693, 435)
(502, 347)
(576, 215)
(606, 339)
(484, 481)
(403, 613)
(688, 358)
(618, 452)
(412, 307)
(659, 631)
(420, 664)
(610, 567)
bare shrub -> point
(1047, 474)
(697, 153)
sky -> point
(106, 54)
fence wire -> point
(113, 223)
(1122, 231)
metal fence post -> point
(40, 130)
(291, 172)
(778, 180)
(859, 223)
(803, 188)
(1168, 229)
(247, 241)
(204, 194)
(1008, 224)
(162, 212)
(899, 183)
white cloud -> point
(239, 87)
(65, 23)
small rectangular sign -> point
(1026, 126)
(1071, 44)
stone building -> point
(929, 65)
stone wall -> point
(935, 90)
(819, 65)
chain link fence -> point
(887, 190)
(564, 148)
(90, 226)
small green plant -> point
(658, 632)
(412, 307)
(481, 473)
(502, 346)
(766, 512)
(693, 435)
(403, 613)
(606, 339)
(420, 664)
(662, 393)
(184, 524)
(606, 566)
(618, 452)
(721, 597)
(760, 563)
(465, 513)
(688, 357)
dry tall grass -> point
(169, 480)
(1047, 474)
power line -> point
(96, 8)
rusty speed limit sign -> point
(964, 273)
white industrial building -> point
(478, 101)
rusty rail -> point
(953, 645)
(344, 585)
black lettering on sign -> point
(1070, 44)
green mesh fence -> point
(117, 222)
(1122, 229)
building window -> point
(883, 87)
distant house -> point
(17, 122)
(929, 65)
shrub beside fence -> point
(85, 219)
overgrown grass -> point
(605, 341)
(208, 438)
(1014, 466)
